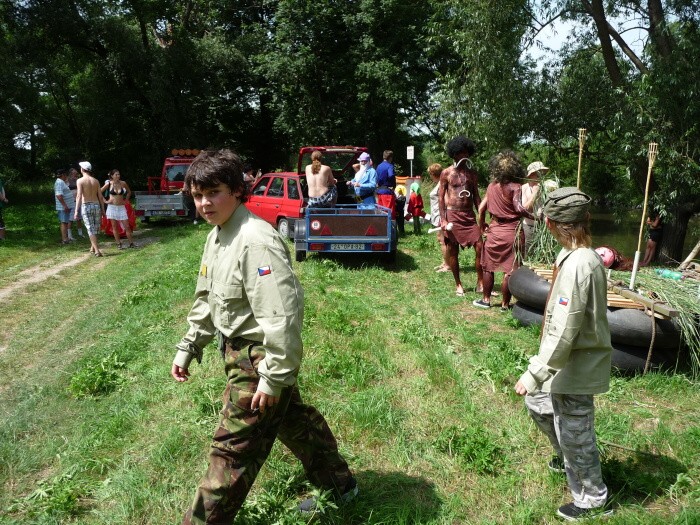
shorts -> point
(65, 216)
(117, 212)
(91, 217)
(327, 200)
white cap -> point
(536, 167)
(85, 165)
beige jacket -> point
(574, 356)
(246, 288)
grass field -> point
(416, 383)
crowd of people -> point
(258, 329)
(81, 200)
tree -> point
(659, 100)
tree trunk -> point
(597, 12)
(675, 228)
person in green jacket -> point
(249, 298)
(573, 362)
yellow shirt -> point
(246, 288)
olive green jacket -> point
(574, 356)
(246, 288)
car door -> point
(256, 201)
(267, 202)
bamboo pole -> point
(653, 152)
(581, 142)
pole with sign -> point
(409, 156)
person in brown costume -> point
(505, 241)
(459, 199)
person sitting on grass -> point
(258, 326)
(573, 362)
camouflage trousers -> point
(568, 421)
(245, 437)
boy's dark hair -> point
(60, 172)
(460, 144)
(247, 167)
(213, 167)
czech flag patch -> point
(563, 301)
(264, 270)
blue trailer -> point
(347, 228)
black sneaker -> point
(570, 512)
(309, 505)
(556, 464)
(480, 303)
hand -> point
(179, 374)
(261, 401)
(520, 389)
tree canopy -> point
(123, 82)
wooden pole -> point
(581, 142)
(653, 152)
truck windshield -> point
(176, 173)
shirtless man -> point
(458, 198)
(322, 190)
(91, 204)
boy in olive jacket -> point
(249, 298)
(573, 362)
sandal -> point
(120, 246)
(459, 293)
(132, 245)
(98, 254)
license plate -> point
(348, 247)
(162, 212)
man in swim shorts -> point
(91, 204)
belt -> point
(236, 343)
(385, 188)
(505, 221)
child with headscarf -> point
(415, 207)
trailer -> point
(347, 228)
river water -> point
(623, 234)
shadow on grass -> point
(640, 478)
(357, 261)
(394, 497)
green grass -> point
(416, 384)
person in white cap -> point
(365, 181)
(530, 192)
(91, 204)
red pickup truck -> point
(280, 198)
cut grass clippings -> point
(415, 382)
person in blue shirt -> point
(386, 182)
(365, 181)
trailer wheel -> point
(283, 227)
(300, 255)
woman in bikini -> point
(119, 193)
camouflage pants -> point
(244, 439)
(568, 421)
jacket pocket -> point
(227, 297)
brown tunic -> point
(504, 238)
(458, 197)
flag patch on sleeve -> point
(563, 301)
(264, 270)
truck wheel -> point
(300, 255)
(283, 227)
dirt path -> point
(47, 269)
